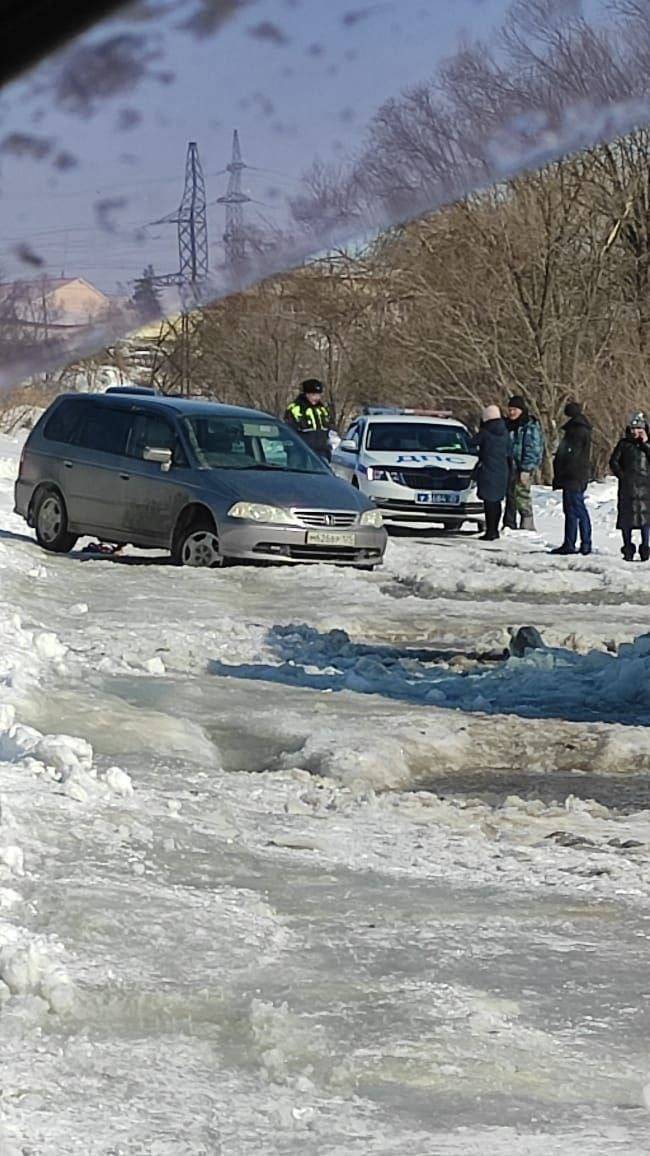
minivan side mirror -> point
(163, 457)
(348, 445)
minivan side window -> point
(104, 429)
(64, 422)
(156, 432)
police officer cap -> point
(312, 385)
(638, 420)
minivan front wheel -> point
(198, 545)
(51, 523)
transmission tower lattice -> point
(234, 236)
(171, 371)
(191, 220)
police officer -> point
(310, 417)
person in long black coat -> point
(571, 475)
(630, 463)
(492, 443)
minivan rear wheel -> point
(198, 545)
(51, 523)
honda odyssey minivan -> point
(208, 482)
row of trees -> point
(540, 285)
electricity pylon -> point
(171, 371)
(234, 236)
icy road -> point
(284, 871)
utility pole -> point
(234, 236)
(172, 367)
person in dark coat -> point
(492, 443)
(630, 463)
(571, 475)
(310, 417)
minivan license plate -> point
(329, 538)
(443, 499)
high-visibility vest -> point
(310, 416)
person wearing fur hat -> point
(571, 475)
(492, 444)
(630, 463)
(310, 417)
(527, 445)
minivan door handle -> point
(125, 477)
(68, 465)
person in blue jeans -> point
(571, 475)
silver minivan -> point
(208, 482)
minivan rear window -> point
(104, 430)
(64, 422)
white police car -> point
(417, 466)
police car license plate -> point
(330, 538)
(443, 499)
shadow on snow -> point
(548, 683)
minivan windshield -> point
(417, 437)
(231, 443)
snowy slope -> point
(274, 880)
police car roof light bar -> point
(137, 389)
(386, 410)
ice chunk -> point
(64, 752)
(48, 646)
(7, 716)
(13, 858)
(155, 665)
(119, 782)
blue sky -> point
(300, 79)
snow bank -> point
(366, 757)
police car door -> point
(346, 455)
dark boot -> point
(644, 553)
(564, 550)
(628, 553)
(492, 519)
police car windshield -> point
(227, 443)
(416, 438)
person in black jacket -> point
(493, 471)
(571, 475)
(630, 463)
(310, 417)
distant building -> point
(52, 303)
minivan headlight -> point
(257, 512)
(372, 518)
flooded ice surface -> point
(284, 869)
